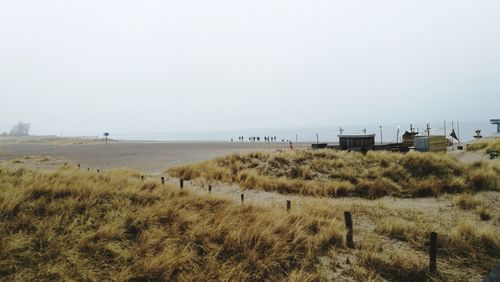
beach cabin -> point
(408, 138)
(437, 143)
(362, 142)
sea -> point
(385, 133)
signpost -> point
(106, 134)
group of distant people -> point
(257, 138)
(266, 138)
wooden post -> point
(162, 180)
(78, 166)
(142, 177)
(433, 253)
(181, 183)
(97, 170)
(288, 205)
(242, 198)
(209, 187)
(88, 168)
(348, 225)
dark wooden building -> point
(357, 142)
(408, 138)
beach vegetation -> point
(330, 173)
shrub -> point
(466, 201)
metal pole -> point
(458, 133)
(397, 135)
(381, 142)
(317, 138)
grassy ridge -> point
(72, 224)
(77, 225)
(488, 144)
(339, 173)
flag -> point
(452, 134)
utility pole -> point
(397, 135)
(317, 138)
(381, 142)
(445, 128)
(458, 133)
(428, 129)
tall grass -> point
(488, 144)
(77, 225)
(338, 173)
(72, 224)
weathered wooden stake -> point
(348, 225)
(433, 253)
(288, 205)
(97, 170)
(162, 180)
(142, 177)
(181, 183)
(88, 168)
(209, 187)
(242, 198)
(78, 166)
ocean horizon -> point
(465, 131)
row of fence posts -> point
(348, 225)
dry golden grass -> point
(465, 239)
(338, 173)
(489, 144)
(72, 224)
(466, 201)
(78, 225)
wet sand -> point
(152, 157)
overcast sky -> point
(84, 67)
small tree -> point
(20, 129)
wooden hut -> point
(437, 143)
(408, 138)
(357, 142)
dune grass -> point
(488, 144)
(71, 224)
(78, 225)
(338, 173)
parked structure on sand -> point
(435, 143)
(408, 138)
(361, 142)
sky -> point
(85, 67)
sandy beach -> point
(151, 157)
(146, 156)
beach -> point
(147, 156)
